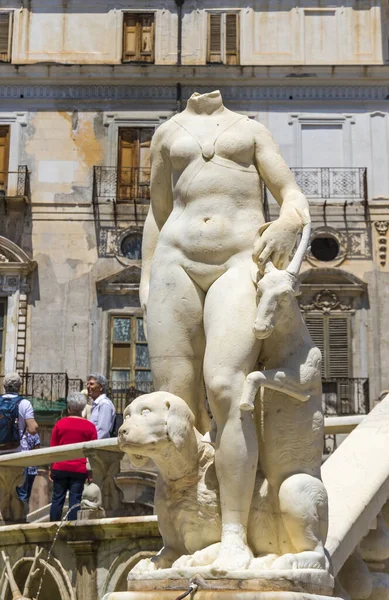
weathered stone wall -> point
(271, 33)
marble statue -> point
(288, 521)
(205, 246)
(91, 496)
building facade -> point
(83, 86)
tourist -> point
(14, 439)
(70, 475)
(24, 491)
(103, 412)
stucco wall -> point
(270, 32)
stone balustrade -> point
(104, 457)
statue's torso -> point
(216, 187)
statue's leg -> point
(231, 353)
(176, 337)
(304, 511)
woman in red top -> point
(70, 475)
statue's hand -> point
(276, 240)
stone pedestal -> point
(169, 584)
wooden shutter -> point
(5, 36)
(129, 37)
(331, 334)
(138, 37)
(127, 161)
(338, 360)
(232, 39)
(146, 38)
(214, 37)
(145, 136)
(315, 324)
(4, 157)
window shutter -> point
(146, 38)
(129, 37)
(338, 347)
(5, 36)
(232, 39)
(315, 324)
(214, 38)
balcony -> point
(126, 186)
(15, 185)
(122, 393)
(343, 396)
(47, 387)
(322, 183)
(121, 199)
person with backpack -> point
(16, 416)
(103, 413)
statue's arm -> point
(277, 240)
(161, 205)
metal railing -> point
(121, 185)
(15, 183)
(122, 394)
(337, 183)
(345, 396)
(46, 386)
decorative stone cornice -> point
(168, 92)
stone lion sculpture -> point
(161, 426)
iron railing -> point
(122, 185)
(345, 396)
(332, 183)
(47, 386)
(122, 393)
(15, 183)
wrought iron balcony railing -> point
(46, 386)
(122, 393)
(345, 396)
(332, 183)
(122, 185)
(15, 184)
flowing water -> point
(52, 546)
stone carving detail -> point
(32, 573)
(325, 301)
(257, 501)
(3, 258)
(382, 229)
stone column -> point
(12, 510)
(86, 578)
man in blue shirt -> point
(103, 412)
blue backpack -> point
(9, 422)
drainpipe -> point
(179, 4)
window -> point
(134, 163)
(129, 356)
(331, 334)
(138, 37)
(3, 329)
(223, 38)
(5, 36)
(325, 248)
(131, 246)
(4, 158)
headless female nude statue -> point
(204, 227)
